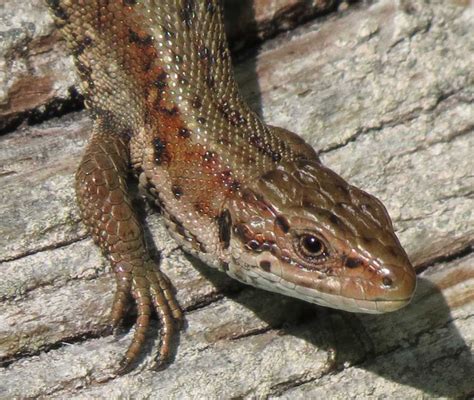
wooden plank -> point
(386, 92)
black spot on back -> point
(233, 116)
(160, 81)
(126, 134)
(209, 156)
(160, 149)
(170, 111)
(168, 34)
(184, 133)
(262, 147)
(134, 37)
(177, 191)
(276, 156)
(203, 53)
(183, 81)
(58, 11)
(282, 223)
(187, 12)
(81, 46)
(210, 81)
(197, 102)
(236, 118)
(225, 223)
(84, 70)
(235, 185)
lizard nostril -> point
(387, 281)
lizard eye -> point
(310, 247)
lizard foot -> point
(151, 290)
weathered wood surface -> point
(386, 93)
(36, 77)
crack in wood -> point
(53, 246)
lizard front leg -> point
(107, 211)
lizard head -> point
(303, 231)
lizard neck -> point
(161, 71)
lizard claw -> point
(150, 290)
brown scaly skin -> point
(107, 210)
(248, 198)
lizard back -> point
(161, 73)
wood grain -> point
(386, 93)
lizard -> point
(247, 198)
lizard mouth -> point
(383, 306)
(323, 292)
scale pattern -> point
(250, 199)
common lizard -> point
(250, 199)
